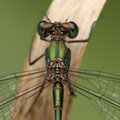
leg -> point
(85, 40)
(46, 40)
(70, 88)
(41, 89)
(34, 61)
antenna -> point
(46, 16)
(67, 19)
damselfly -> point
(103, 91)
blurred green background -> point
(18, 21)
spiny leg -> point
(41, 89)
(34, 61)
(70, 88)
(46, 40)
(84, 40)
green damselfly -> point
(103, 91)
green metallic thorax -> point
(58, 49)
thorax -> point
(57, 49)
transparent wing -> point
(102, 89)
(13, 87)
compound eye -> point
(73, 32)
(44, 28)
(72, 29)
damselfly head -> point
(69, 29)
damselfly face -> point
(46, 29)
